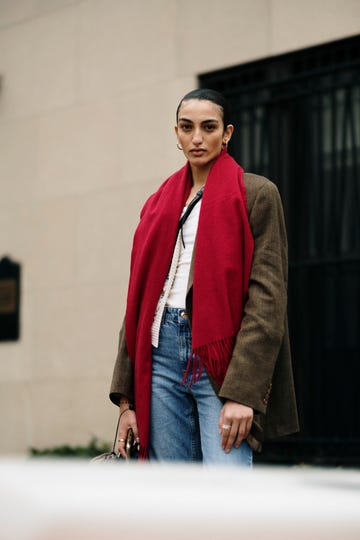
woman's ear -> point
(229, 131)
(227, 135)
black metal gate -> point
(297, 119)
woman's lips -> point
(197, 151)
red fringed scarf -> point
(224, 249)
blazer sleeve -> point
(249, 375)
(122, 379)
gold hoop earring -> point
(178, 146)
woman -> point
(203, 371)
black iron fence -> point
(297, 119)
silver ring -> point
(226, 426)
(121, 440)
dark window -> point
(297, 120)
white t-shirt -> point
(175, 286)
(177, 293)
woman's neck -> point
(199, 176)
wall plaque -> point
(9, 300)
(7, 296)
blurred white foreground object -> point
(58, 500)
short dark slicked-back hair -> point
(208, 95)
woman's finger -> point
(121, 447)
(229, 431)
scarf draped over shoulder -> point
(223, 257)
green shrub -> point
(94, 448)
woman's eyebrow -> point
(208, 121)
(183, 119)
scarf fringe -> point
(197, 368)
(214, 357)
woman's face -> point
(200, 131)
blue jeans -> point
(184, 417)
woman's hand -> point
(234, 424)
(127, 420)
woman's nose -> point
(197, 137)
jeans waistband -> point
(178, 315)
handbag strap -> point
(187, 212)
(116, 435)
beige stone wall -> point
(87, 102)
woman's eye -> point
(210, 127)
(185, 127)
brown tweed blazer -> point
(260, 371)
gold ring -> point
(121, 440)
